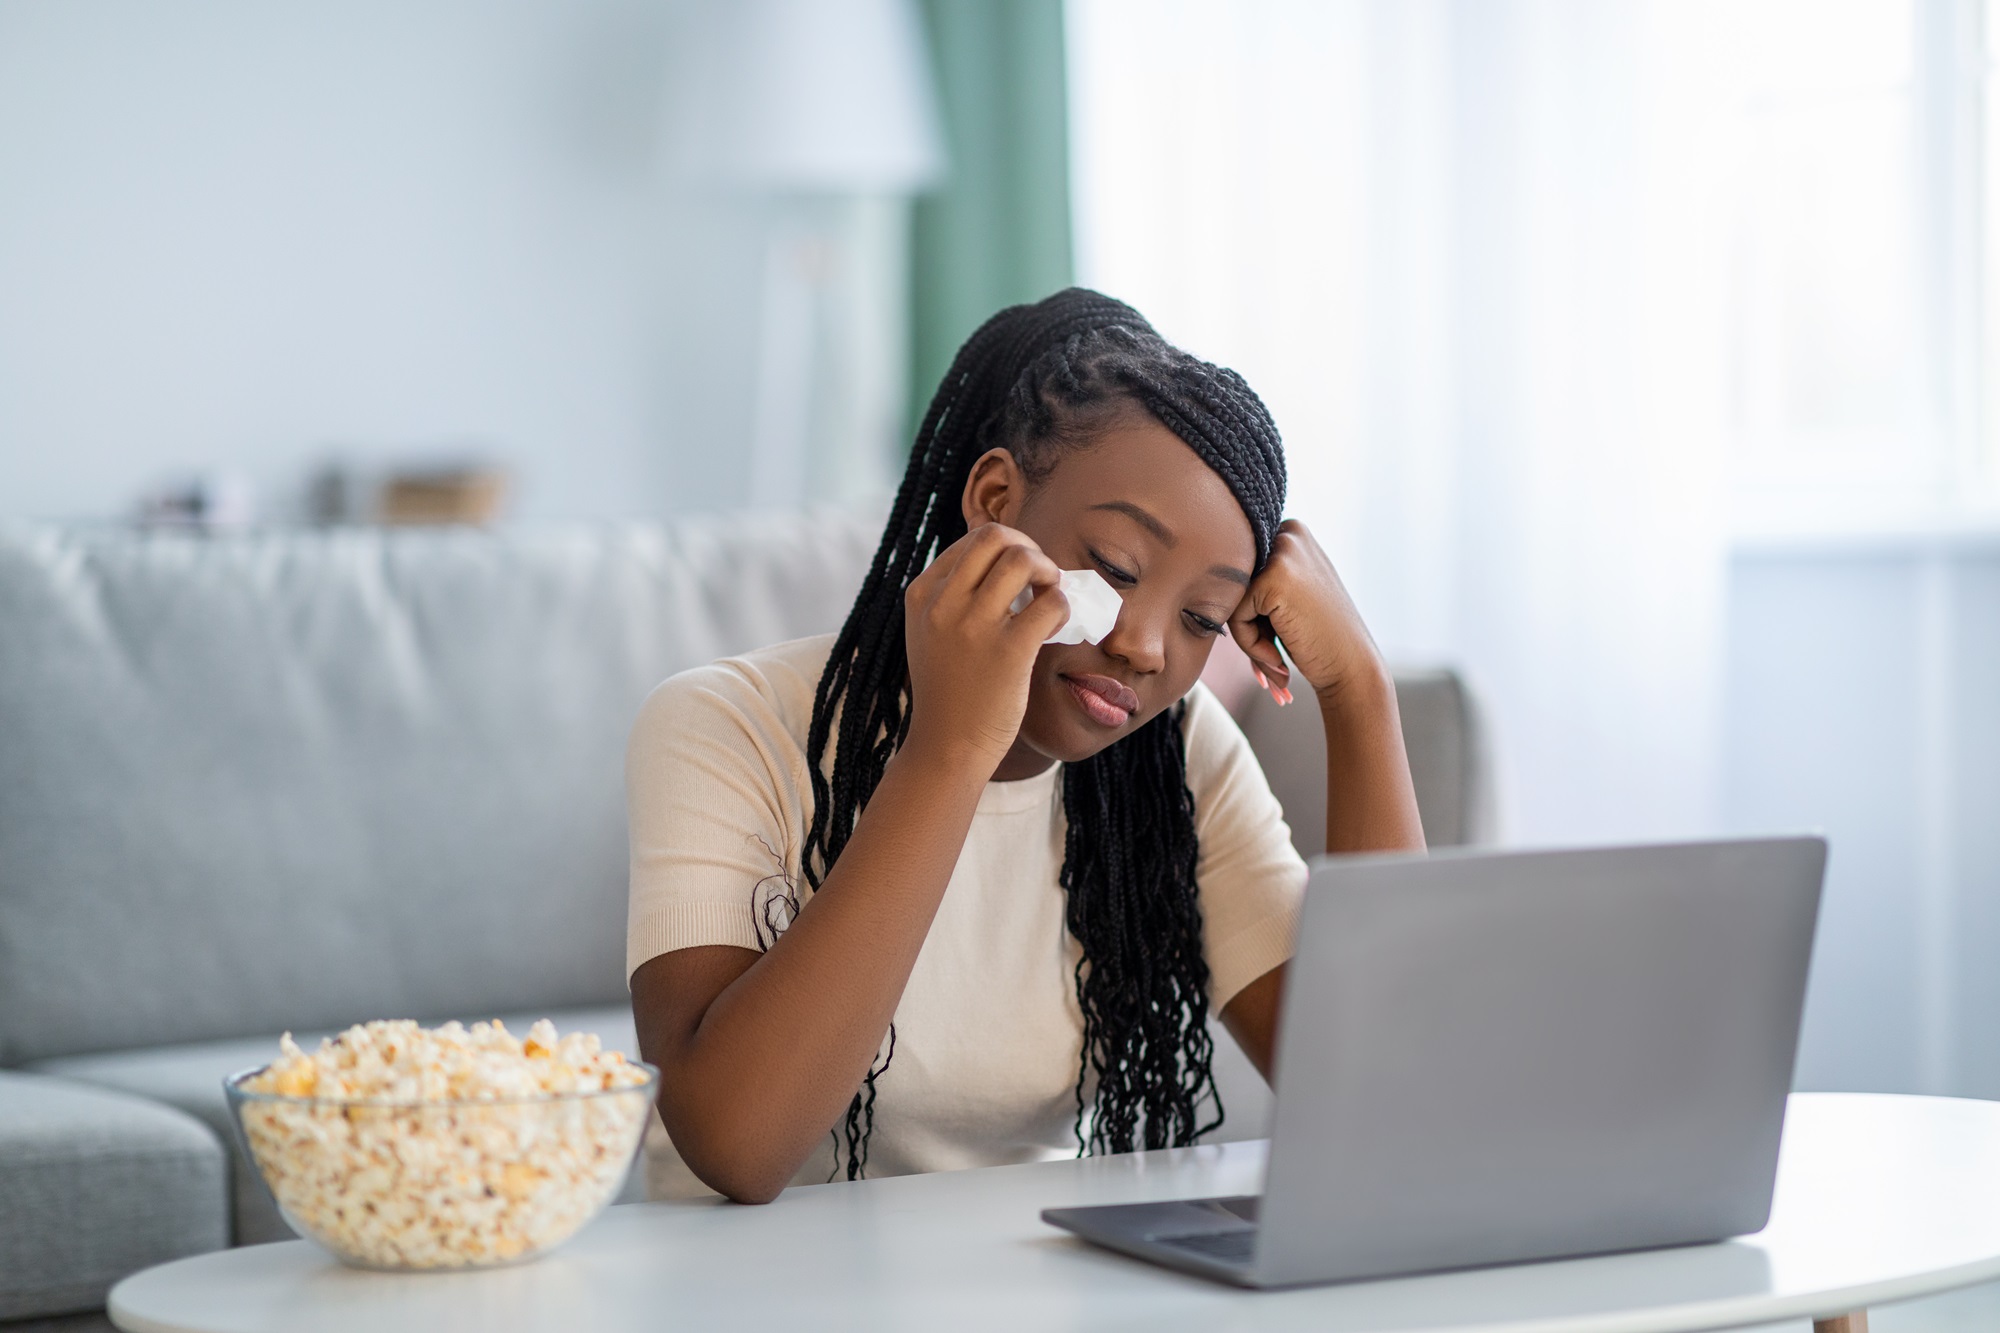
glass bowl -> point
(441, 1184)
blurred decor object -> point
(335, 494)
(208, 501)
(448, 495)
(823, 110)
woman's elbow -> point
(740, 1182)
(738, 1171)
(753, 1192)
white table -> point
(1879, 1199)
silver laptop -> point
(1491, 1057)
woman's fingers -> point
(1019, 569)
(1254, 636)
(1023, 571)
(992, 567)
(1042, 617)
(959, 569)
(1298, 598)
(978, 550)
(1250, 625)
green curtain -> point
(998, 230)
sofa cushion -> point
(302, 778)
(94, 1185)
(189, 1078)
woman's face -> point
(1142, 509)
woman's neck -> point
(1022, 762)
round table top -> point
(1879, 1199)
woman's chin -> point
(1069, 740)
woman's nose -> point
(1138, 639)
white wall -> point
(1862, 701)
(251, 236)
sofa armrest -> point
(95, 1185)
(1442, 731)
(1449, 766)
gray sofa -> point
(298, 780)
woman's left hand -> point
(1299, 600)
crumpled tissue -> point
(1093, 607)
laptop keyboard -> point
(1234, 1247)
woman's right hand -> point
(970, 656)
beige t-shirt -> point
(988, 1033)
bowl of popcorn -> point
(403, 1147)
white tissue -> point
(1093, 607)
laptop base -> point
(1212, 1238)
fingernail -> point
(1284, 695)
(1258, 672)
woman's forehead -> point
(1145, 474)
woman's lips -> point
(1104, 700)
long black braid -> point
(1041, 379)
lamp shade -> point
(808, 96)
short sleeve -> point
(1251, 879)
(712, 774)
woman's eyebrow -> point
(1143, 519)
(1230, 572)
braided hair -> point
(1041, 380)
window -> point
(1862, 397)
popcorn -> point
(398, 1146)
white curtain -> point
(1475, 254)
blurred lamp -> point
(812, 106)
(804, 96)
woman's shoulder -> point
(1210, 735)
(767, 690)
(1224, 776)
(780, 673)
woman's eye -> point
(1111, 571)
(1202, 624)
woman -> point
(928, 893)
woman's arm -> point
(1298, 600)
(761, 1053)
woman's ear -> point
(994, 491)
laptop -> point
(1493, 1057)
